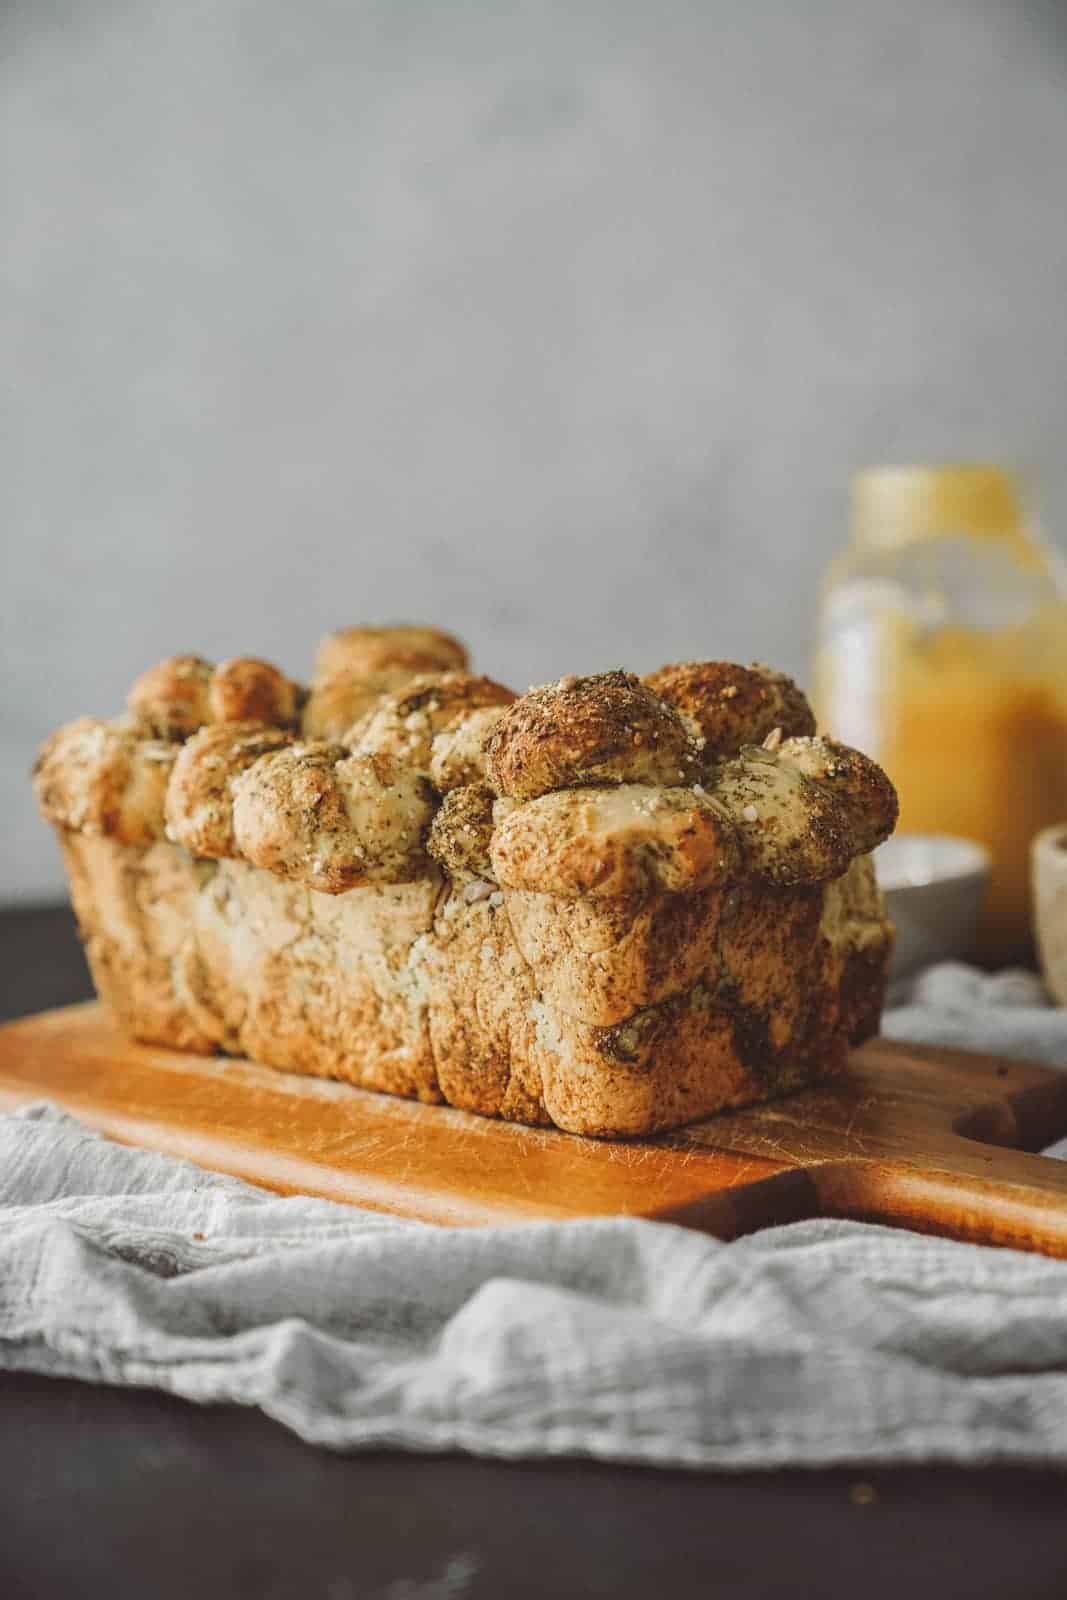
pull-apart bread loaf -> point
(610, 904)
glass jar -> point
(942, 652)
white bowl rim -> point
(955, 858)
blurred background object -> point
(1049, 863)
(561, 325)
(943, 654)
(934, 886)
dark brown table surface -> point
(125, 1493)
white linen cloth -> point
(630, 1341)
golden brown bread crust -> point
(320, 984)
(356, 667)
(340, 699)
(726, 706)
(611, 842)
(171, 698)
(103, 778)
(516, 906)
(461, 832)
(790, 830)
(436, 724)
(332, 820)
(480, 1003)
(362, 650)
(245, 689)
(859, 943)
(857, 783)
(199, 803)
(604, 729)
(179, 695)
(136, 909)
(290, 817)
(417, 991)
(804, 810)
(600, 959)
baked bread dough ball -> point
(792, 829)
(179, 695)
(862, 789)
(461, 832)
(245, 689)
(104, 778)
(607, 728)
(390, 809)
(171, 698)
(457, 754)
(625, 840)
(341, 699)
(727, 706)
(436, 724)
(332, 820)
(200, 793)
(360, 651)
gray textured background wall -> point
(560, 323)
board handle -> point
(972, 1192)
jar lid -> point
(895, 505)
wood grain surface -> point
(935, 1140)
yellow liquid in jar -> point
(972, 729)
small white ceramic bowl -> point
(933, 885)
(1048, 860)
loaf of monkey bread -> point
(611, 904)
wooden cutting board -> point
(920, 1138)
